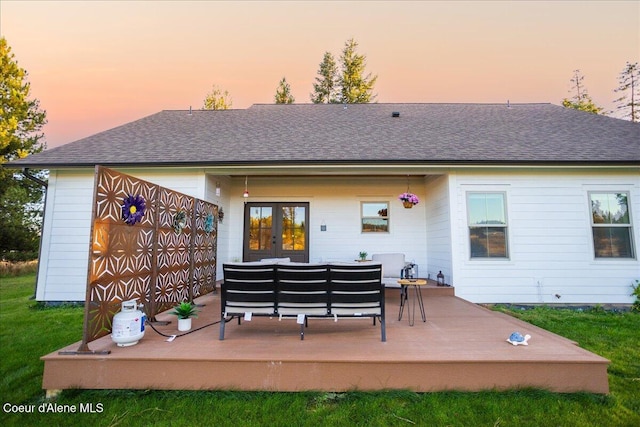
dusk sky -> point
(96, 65)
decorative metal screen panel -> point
(147, 243)
(174, 250)
(204, 248)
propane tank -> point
(128, 324)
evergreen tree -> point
(283, 93)
(581, 100)
(629, 86)
(324, 89)
(347, 83)
(21, 122)
(355, 87)
(217, 100)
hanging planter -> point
(408, 200)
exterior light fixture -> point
(246, 191)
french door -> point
(276, 230)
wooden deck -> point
(461, 346)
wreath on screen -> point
(179, 221)
(133, 209)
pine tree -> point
(324, 89)
(581, 100)
(629, 86)
(217, 100)
(21, 122)
(283, 93)
(347, 83)
(355, 87)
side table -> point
(404, 298)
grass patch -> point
(28, 331)
(610, 334)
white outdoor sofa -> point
(392, 266)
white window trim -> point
(362, 217)
(506, 227)
(593, 225)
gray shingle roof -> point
(361, 133)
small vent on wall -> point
(395, 114)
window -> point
(487, 225)
(611, 225)
(375, 217)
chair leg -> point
(222, 323)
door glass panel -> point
(260, 220)
(293, 228)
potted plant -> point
(363, 256)
(409, 199)
(185, 311)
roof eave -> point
(414, 163)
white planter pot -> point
(184, 324)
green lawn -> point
(28, 332)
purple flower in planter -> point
(133, 209)
(409, 197)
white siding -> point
(223, 202)
(62, 274)
(550, 241)
(335, 201)
(551, 258)
(188, 181)
(438, 228)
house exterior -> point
(519, 203)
